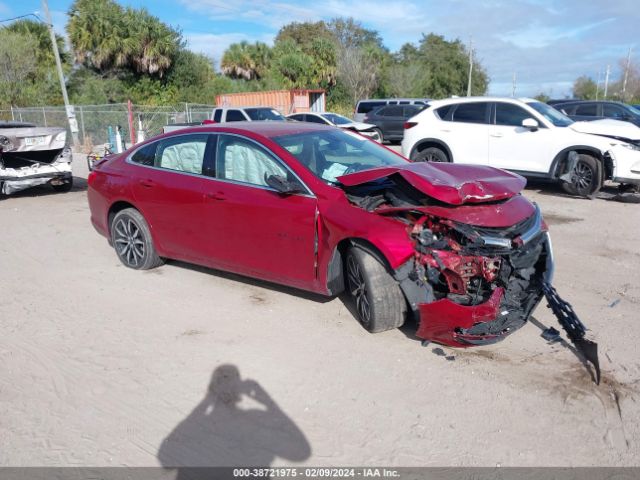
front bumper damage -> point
(481, 292)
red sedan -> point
(322, 209)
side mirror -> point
(531, 124)
(281, 184)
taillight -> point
(208, 122)
(408, 125)
(91, 177)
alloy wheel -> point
(582, 176)
(129, 241)
(358, 290)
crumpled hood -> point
(608, 127)
(358, 126)
(449, 183)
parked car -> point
(340, 121)
(246, 114)
(521, 135)
(390, 120)
(31, 156)
(365, 106)
(458, 246)
(594, 110)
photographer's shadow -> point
(222, 432)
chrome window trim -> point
(309, 193)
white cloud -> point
(213, 45)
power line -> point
(23, 16)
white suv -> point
(522, 135)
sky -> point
(547, 44)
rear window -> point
(391, 111)
(366, 107)
(442, 112)
(588, 110)
(217, 116)
(146, 155)
(471, 113)
(235, 116)
(260, 114)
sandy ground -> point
(102, 365)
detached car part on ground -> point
(524, 136)
(457, 247)
(31, 156)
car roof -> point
(226, 107)
(448, 101)
(264, 128)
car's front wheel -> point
(376, 135)
(586, 177)
(131, 238)
(379, 302)
(430, 154)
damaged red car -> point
(321, 209)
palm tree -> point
(246, 61)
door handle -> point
(215, 196)
(497, 135)
(147, 183)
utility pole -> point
(606, 81)
(626, 75)
(598, 83)
(513, 88)
(470, 66)
(71, 116)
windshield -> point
(337, 119)
(634, 110)
(556, 117)
(264, 114)
(329, 154)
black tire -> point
(131, 239)
(64, 187)
(586, 177)
(379, 302)
(430, 154)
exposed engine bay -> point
(479, 269)
(31, 156)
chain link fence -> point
(94, 120)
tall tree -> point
(246, 61)
(107, 37)
(584, 88)
(17, 63)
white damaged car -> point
(524, 136)
(31, 156)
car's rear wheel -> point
(430, 154)
(377, 135)
(586, 177)
(131, 238)
(379, 302)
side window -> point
(315, 119)
(299, 117)
(217, 115)
(235, 116)
(184, 153)
(588, 110)
(146, 155)
(393, 111)
(510, 115)
(613, 111)
(244, 161)
(411, 110)
(404, 102)
(443, 112)
(471, 112)
(366, 107)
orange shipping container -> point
(285, 101)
